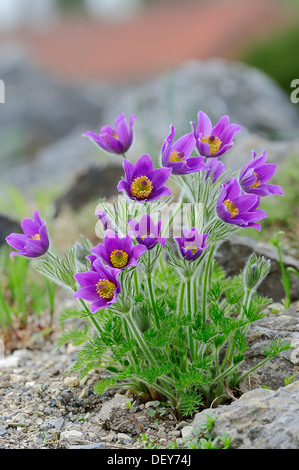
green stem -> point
(136, 282)
(153, 303)
(195, 294)
(253, 369)
(189, 307)
(181, 301)
(136, 334)
(86, 309)
(205, 284)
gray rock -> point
(260, 419)
(7, 226)
(116, 416)
(97, 445)
(72, 437)
(233, 254)
(96, 182)
(272, 374)
(58, 424)
(277, 150)
(3, 432)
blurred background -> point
(73, 65)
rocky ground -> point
(43, 405)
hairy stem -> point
(205, 283)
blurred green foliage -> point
(277, 56)
(22, 291)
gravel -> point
(43, 405)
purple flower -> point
(256, 173)
(215, 168)
(104, 218)
(118, 252)
(176, 155)
(99, 286)
(146, 232)
(142, 182)
(214, 141)
(117, 140)
(192, 244)
(34, 242)
(236, 207)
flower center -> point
(147, 235)
(176, 156)
(105, 289)
(114, 134)
(257, 182)
(141, 187)
(36, 237)
(231, 207)
(119, 258)
(192, 248)
(213, 141)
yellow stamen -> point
(115, 135)
(148, 234)
(214, 143)
(141, 187)
(105, 289)
(119, 258)
(36, 237)
(231, 207)
(258, 181)
(192, 248)
(176, 156)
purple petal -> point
(204, 126)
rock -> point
(71, 382)
(233, 254)
(72, 437)
(58, 424)
(152, 404)
(97, 445)
(122, 437)
(116, 416)
(3, 432)
(8, 226)
(29, 92)
(277, 150)
(260, 419)
(96, 182)
(284, 325)
(14, 359)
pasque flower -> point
(255, 174)
(98, 286)
(142, 182)
(214, 141)
(192, 244)
(117, 140)
(147, 233)
(177, 155)
(34, 242)
(215, 168)
(236, 207)
(118, 252)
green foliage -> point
(22, 292)
(276, 56)
(142, 355)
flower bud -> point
(255, 271)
